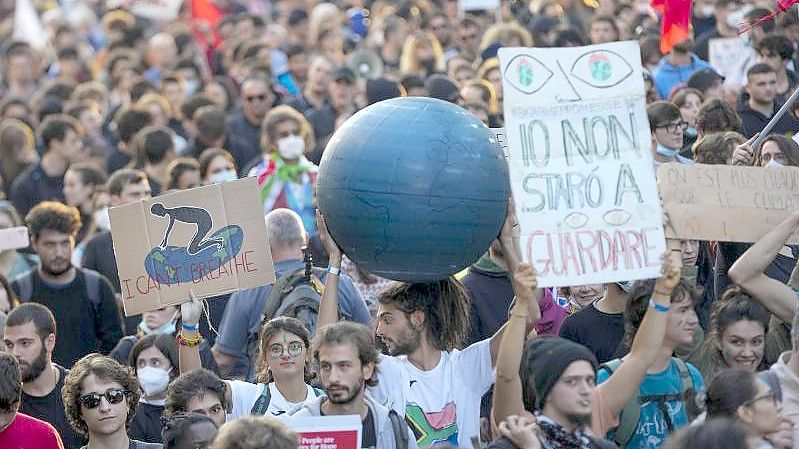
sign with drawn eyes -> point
(210, 240)
(581, 168)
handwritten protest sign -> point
(211, 240)
(727, 203)
(326, 432)
(502, 141)
(580, 165)
(725, 54)
(477, 5)
(159, 10)
(14, 238)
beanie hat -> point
(543, 362)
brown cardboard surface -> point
(727, 203)
(233, 255)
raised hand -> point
(190, 312)
(330, 245)
(744, 154)
(523, 432)
(670, 272)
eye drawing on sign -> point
(527, 74)
(203, 255)
(616, 217)
(601, 69)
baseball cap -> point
(344, 74)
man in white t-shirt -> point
(436, 386)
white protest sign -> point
(581, 169)
(326, 432)
(725, 54)
(477, 5)
(13, 238)
(502, 140)
(159, 10)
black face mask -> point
(429, 65)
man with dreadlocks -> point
(436, 386)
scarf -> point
(554, 436)
(282, 171)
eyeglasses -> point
(294, 349)
(770, 396)
(674, 127)
(112, 395)
(251, 98)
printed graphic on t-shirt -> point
(431, 428)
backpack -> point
(400, 429)
(92, 279)
(262, 403)
(296, 294)
(631, 413)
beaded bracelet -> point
(189, 342)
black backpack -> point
(92, 278)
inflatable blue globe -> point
(413, 189)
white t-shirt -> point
(443, 404)
(245, 394)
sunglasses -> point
(251, 98)
(112, 395)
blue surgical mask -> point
(166, 328)
(667, 152)
(774, 164)
(690, 131)
(224, 176)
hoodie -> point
(384, 430)
(668, 76)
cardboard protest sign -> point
(326, 432)
(725, 54)
(727, 203)
(581, 169)
(211, 240)
(477, 5)
(159, 10)
(14, 238)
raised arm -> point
(188, 348)
(508, 385)
(328, 304)
(748, 272)
(623, 383)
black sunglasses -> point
(112, 395)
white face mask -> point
(152, 380)
(101, 219)
(773, 164)
(224, 176)
(291, 147)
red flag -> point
(206, 16)
(675, 20)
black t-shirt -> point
(146, 425)
(598, 331)
(50, 408)
(369, 434)
(33, 186)
(83, 326)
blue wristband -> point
(660, 307)
(190, 327)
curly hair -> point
(177, 425)
(272, 328)
(445, 305)
(10, 383)
(104, 368)
(192, 385)
(53, 216)
(255, 432)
